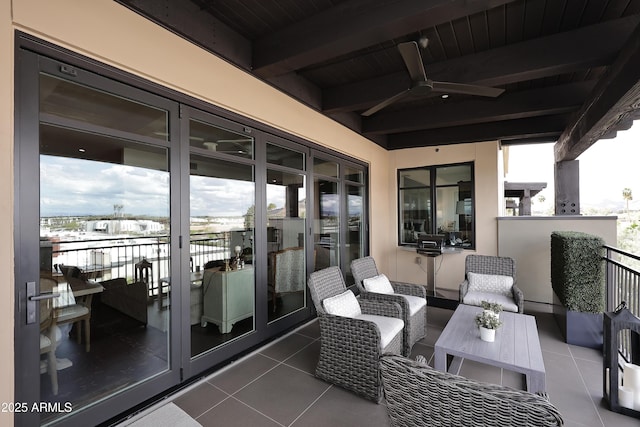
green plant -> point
(488, 321)
(491, 306)
(577, 270)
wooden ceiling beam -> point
(530, 103)
(612, 104)
(529, 128)
(351, 26)
(584, 48)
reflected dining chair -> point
(50, 334)
(74, 311)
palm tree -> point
(627, 196)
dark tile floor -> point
(275, 386)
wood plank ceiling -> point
(570, 68)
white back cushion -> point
(379, 284)
(490, 283)
(344, 304)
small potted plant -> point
(492, 308)
(488, 323)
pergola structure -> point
(523, 191)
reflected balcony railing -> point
(103, 259)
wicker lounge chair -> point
(416, 323)
(418, 395)
(485, 265)
(350, 348)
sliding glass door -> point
(94, 207)
(221, 224)
(157, 239)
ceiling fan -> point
(422, 86)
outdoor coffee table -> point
(516, 347)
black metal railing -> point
(101, 259)
(623, 284)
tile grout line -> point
(310, 405)
(584, 384)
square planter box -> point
(578, 328)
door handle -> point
(32, 301)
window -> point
(437, 200)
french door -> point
(155, 238)
(96, 232)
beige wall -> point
(528, 241)
(401, 262)
(6, 209)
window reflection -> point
(286, 224)
(445, 208)
(104, 212)
(327, 224)
(222, 291)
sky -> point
(72, 187)
(606, 168)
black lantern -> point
(619, 320)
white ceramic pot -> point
(488, 335)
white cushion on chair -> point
(44, 339)
(476, 298)
(69, 312)
(491, 283)
(415, 303)
(344, 304)
(379, 284)
(389, 327)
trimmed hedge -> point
(577, 270)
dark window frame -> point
(430, 195)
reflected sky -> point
(74, 187)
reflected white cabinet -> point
(227, 297)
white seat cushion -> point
(415, 303)
(44, 339)
(476, 298)
(389, 327)
(379, 284)
(491, 283)
(70, 312)
(344, 304)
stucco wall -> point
(528, 241)
(6, 210)
(450, 267)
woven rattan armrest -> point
(518, 298)
(380, 308)
(464, 288)
(409, 289)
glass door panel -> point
(354, 244)
(222, 285)
(104, 245)
(286, 225)
(326, 224)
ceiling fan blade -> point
(447, 87)
(413, 60)
(386, 102)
